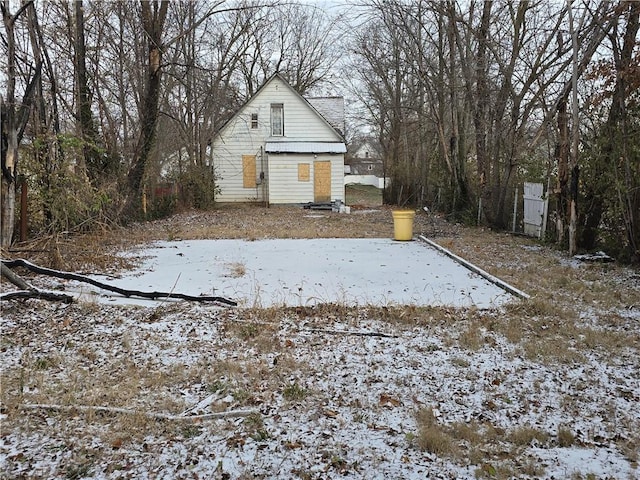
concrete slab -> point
(292, 272)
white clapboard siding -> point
(302, 123)
(285, 187)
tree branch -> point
(129, 411)
(122, 291)
(37, 294)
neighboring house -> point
(281, 149)
(365, 159)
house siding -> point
(237, 138)
(285, 188)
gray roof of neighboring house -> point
(331, 108)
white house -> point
(279, 148)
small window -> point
(369, 167)
(277, 119)
(254, 120)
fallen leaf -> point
(388, 400)
(235, 441)
(293, 445)
(489, 469)
(117, 443)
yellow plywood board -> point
(249, 171)
(304, 170)
(322, 181)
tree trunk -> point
(618, 128)
(153, 24)
(13, 125)
(562, 157)
(575, 140)
(90, 161)
(480, 110)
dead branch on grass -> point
(14, 278)
(122, 291)
(349, 332)
(38, 295)
(320, 330)
(27, 290)
(150, 415)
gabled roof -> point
(324, 119)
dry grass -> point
(237, 270)
(432, 436)
(525, 435)
(565, 437)
(480, 444)
(574, 314)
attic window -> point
(277, 119)
(254, 120)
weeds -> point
(565, 437)
(77, 471)
(524, 435)
(432, 437)
(254, 426)
(294, 392)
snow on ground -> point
(305, 272)
(334, 390)
(333, 398)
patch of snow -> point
(266, 273)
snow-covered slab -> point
(294, 272)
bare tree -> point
(14, 119)
(293, 39)
(91, 160)
(153, 15)
(628, 166)
(611, 196)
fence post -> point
(23, 209)
(515, 211)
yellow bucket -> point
(403, 224)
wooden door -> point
(322, 181)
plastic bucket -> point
(403, 224)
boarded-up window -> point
(249, 171)
(303, 172)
